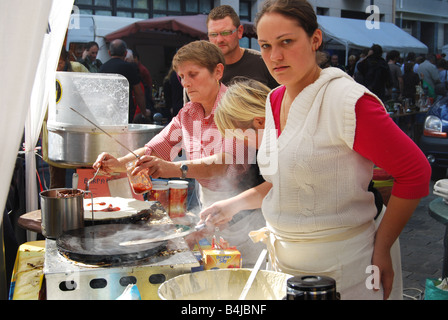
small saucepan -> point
(62, 210)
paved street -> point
(421, 244)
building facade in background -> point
(425, 20)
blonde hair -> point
(244, 100)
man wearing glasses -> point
(225, 31)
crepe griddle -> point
(99, 244)
(130, 217)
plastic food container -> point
(161, 192)
(178, 198)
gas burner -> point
(69, 279)
(100, 244)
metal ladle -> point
(88, 189)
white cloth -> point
(345, 260)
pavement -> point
(421, 245)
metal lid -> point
(311, 283)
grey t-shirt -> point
(395, 73)
(252, 66)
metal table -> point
(438, 210)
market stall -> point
(157, 39)
(346, 34)
(194, 26)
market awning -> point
(353, 33)
(193, 26)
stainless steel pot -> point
(81, 145)
(62, 210)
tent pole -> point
(3, 285)
(346, 54)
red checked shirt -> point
(199, 136)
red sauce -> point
(99, 203)
(140, 188)
(110, 208)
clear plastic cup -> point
(140, 182)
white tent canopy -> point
(345, 34)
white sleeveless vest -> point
(319, 181)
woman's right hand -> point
(108, 164)
(219, 213)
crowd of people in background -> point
(390, 75)
(393, 75)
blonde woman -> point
(241, 108)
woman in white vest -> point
(323, 134)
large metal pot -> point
(81, 145)
(62, 210)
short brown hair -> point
(202, 52)
(223, 11)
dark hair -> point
(442, 64)
(408, 67)
(223, 11)
(91, 44)
(118, 48)
(392, 55)
(377, 50)
(299, 10)
(410, 56)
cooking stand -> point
(68, 279)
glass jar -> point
(140, 182)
